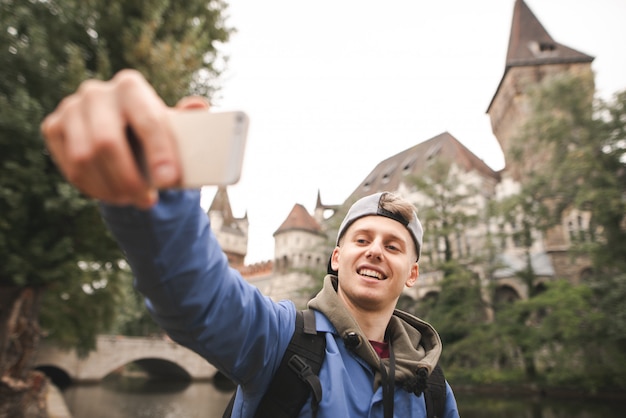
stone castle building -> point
(303, 241)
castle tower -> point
(299, 242)
(532, 56)
(231, 232)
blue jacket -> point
(208, 307)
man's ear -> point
(334, 259)
(413, 275)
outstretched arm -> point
(193, 293)
(178, 264)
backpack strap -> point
(435, 394)
(297, 375)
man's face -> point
(374, 260)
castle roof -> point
(299, 219)
(221, 203)
(320, 205)
(390, 173)
(531, 44)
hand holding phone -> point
(210, 146)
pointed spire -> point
(531, 44)
(221, 203)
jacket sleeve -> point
(452, 411)
(192, 292)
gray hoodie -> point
(416, 344)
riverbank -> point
(56, 403)
(536, 391)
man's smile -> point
(371, 273)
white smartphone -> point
(211, 145)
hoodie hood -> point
(415, 343)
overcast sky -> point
(334, 87)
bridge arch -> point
(59, 376)
(161, 368)
(114, 352)
(505, 293)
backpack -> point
(297, 377)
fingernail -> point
(151, 197)
(147, 200)
(164, 175)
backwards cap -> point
(370, 205)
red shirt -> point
(382, 349)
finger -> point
(193, 102)
(146, 114)
(66, 139)
(53, 136)
(107, 147)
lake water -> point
(140, 398)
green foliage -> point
(459, 307)
(556, 338)
(571, 334)
(586, 169)
(446, 210)
(524, 214)
(48, 229)
(560, 331)
(75, 313)
(132, 317)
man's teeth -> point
(371, 273)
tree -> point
(584, 140)
(526, 213)
(560, 332)
(570, 331)
(51, 236)
(131, 316)
(458, 314)
(447, 210)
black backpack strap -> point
(297, 375)
(228, 412)
(435, 394)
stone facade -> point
(303, 242)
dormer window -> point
(433, 150)
(368, 183)
(407, 165)
(542, 49)
(388, 173)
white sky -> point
(333, 87)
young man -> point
(376, 360)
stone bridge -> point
(157, 356)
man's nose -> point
(375, 250)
